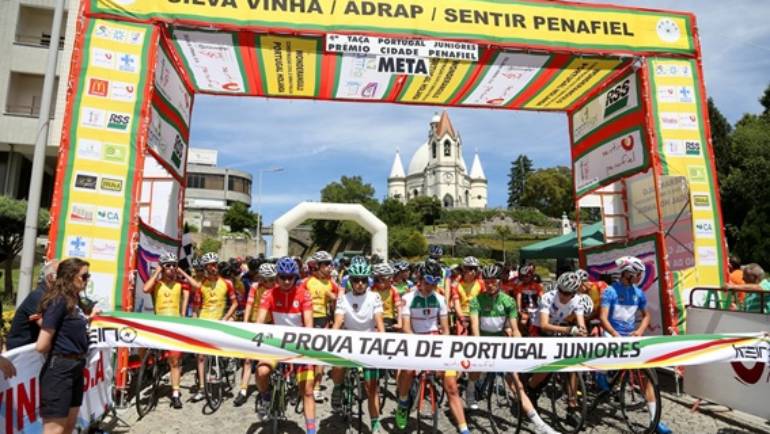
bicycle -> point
(353, 395)
(626, 396)
(147, 384)
(504, 412)
(284, 390)
(428, 389)
(566, 393)
(218, 375)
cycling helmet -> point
(401, 266)
(360, 269)
(209, 258)
(471, 261)
(587, 303)
(383, 269)
(493, 271)
(196, 264)
(167, 258)
(322, 256)
(527, 270)
(224, 269)
(436, 251)
(630, 263)
(568, 282)
(267, 270)
(582, 274)
(254, 265)
(431, 268)
(287, 265)
(358, 260)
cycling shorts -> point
(320, 323)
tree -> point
(550, 191)
(406, 242)
(453, 223)
(394, 213)
(504, 232)
(428, 207)
(240, 218)
(13, 214)
(720, 139)
(765, 101)
(347, 190)
(521, 167)
(209, 245)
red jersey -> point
(287, 307)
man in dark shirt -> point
(23, 330)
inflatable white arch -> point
(330, 211)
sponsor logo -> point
(89, 149)
(704, 229)
(135, 38)
(667, 94)
(627, 143)
(686, 94)
(86, 182)
(231, 86)
(688, 121)
(127, 63)
(103, 58)
(465, 364)
(114, 153)
(617, 97)
(118, 121)
(111, 184)
(672, 70)
(669, 121)
(369, 90)
(692, 147)
(701, 201)
(77, 246)
(122, 91)
(81, 214)
(102, 31)
(668, 30)
(98, 87)
(675, 147)
(697, 174)
(707, 256)
(108, 217)
(93, 118)
(177, 152)
(106, 250)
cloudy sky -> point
(317, 142)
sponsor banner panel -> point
(601, 261)
(446, 78)
(212, 60)
(93, 218)
(523, 22)
(573, 81)
(608, 161)
(620, 98)
(171, 87)
(289, 66)
(385, 46)
(408, 351)
(21, 408)
(505, 78)
(360, 78)
(167, 143)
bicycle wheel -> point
(147, 384)
(277, 400)
(427, 406)
(567, 394)
(633, 404)
(382, 383)
(213, 382)
(503, 405)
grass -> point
(9, 300)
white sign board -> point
(505, 78)
(206, 157)
(212, 59)
(170, 86)
(609, 161)
(384, 46)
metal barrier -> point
(731, 298)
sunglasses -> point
(466, 269)
(324, 264)
(355, 280)
(169, 265)
(287, 276)
(431, 280)
(85, 276)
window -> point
(449, 201)
(206, 181)
(467, 197)
(434, 146)
(34, 27)
(447, 148)
(415, 193)
(241, 185)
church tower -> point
(397, 180)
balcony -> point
(24, 95)
(33, 27)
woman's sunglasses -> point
(85, 276)
(355, 280)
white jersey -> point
(558, 312)
(424, 313)
(359, 310)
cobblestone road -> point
(230, 420)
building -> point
(438, 169)
(211, 190)
(25, 34)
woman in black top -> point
(64, 339)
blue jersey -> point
(623, 302)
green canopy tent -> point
(565, 246)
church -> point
(438, 169)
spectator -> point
(7, 368)
(754, 275)
(64, 340)
(24, 328)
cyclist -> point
(425, 312)
(289, 304)
(265, 280)
(323, 291)
(463, 291)
(620, 304)
(593, 290)
(215, 293)
(527, 292)
(360, 309)
(493, 313)
(171, 299)
(401, 278)
(230, 272)
(391, 301)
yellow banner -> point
(445, 79)
(579, 76)
(289, 66)
(517, 22)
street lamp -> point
(259, 202)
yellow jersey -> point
(167, 300)
(255, 296)
(390, 302)
(214, 296)
(321, 293)
(465, 293)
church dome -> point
(419, 160)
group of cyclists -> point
(371, 295)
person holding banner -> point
(360, 309)
(621, 302)
(170, 298)
(215, 292)
(493, 313)
(289, 304)
(64, 340)
(425, 312)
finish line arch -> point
(330, 211)
(629, 80)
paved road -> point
(230, 420)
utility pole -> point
(259, 203)
(38, 159)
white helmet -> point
(568, 282)
(209, 258)
(167, 258)
(267, 270)
(582, 274)
(630, 263)
(587, 303)
(383, 269)
(321, 256)
(471, 261)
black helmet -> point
(431, 268)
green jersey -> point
(494, 312)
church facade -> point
(438, 169)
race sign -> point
(384, 46)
